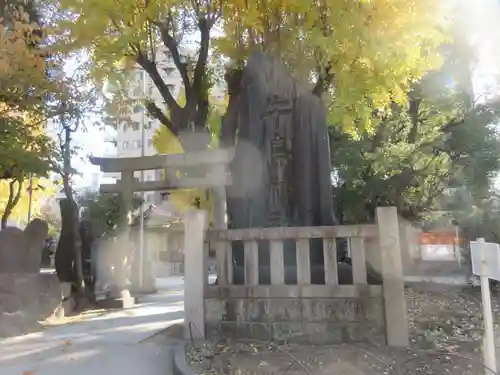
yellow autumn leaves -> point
(374, 49)
(368, 52)
(21, 68)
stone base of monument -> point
(25, 300)
(122, 301)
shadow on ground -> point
(132, 341)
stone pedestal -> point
(123, 301)
(26, 299)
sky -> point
(480, 18)
(484, 29)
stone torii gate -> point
(213, 168)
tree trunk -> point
(69, 266)
(12, 202)
(64, 258)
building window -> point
(136, 144)
(171, 87)
(137, 109)
(150, 142)
(148, 125)
(137, 91)
(169, 71)
(125, 145)
(150, 89)
(139, 75)
(134, 125)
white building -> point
(95, 179)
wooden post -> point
(392, 276)
(195, 226)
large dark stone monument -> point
(21, 251)
(281, 170)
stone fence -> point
(319, 312)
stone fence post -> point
(392, 277)
(195, 227)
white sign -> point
(486, 263)
(438, 252)
(489, 253)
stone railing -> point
(316, 309)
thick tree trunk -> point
(68, 260)
(65, 255)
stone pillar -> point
(127, 194)
(392, 276)
(149, 272)
(195, 226)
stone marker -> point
(13, 249)
(281, 171)
(21, 251)
(36, 233)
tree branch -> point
(413, 112)
(156, 112)
(151, 68)
(15, 201)
(173, 47)
(325, 79)
(199, 70)
(12, 201)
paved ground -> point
(114, 343)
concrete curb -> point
(180, 365)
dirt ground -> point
(446, 333)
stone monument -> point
(281, 171)
(111, 255)
(26, 295)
